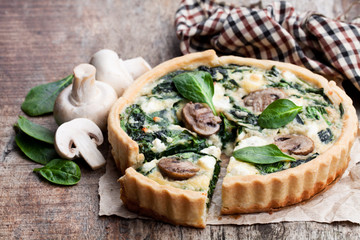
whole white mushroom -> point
(85, 98)
(116, 72)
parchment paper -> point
(341, 202)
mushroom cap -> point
(80, 137)
(93, 100)
(294, 144)
(200, 119)
(111, 70)
(177, 169)
(260, 99)
(136, 66)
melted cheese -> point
(207, 162)
(221, 102)
(238, 168)
(252, 82)
(253, 141)
(214, 151)
(154, 104)
(158, 146)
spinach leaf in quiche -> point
(228, 130)
(261, 155)
(270, 168)
(317, 112)
(197, 87)
(278, 114)
(41, 99)
(326, 135)
(213, 182)
(302, 161)
(176, 141)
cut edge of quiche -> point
(240, 194)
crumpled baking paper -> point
(339, 203)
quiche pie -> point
(286, 132)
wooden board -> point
(41, 41)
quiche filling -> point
(181, 139)
(204, 180)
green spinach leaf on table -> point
(62, 172)
(37, 151)
(41, 99)
(36, 131)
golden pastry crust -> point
(147, 197)
(240, 194)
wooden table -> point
(41, 41)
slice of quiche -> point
(288, 133)
(175, 188)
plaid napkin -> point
(277, 32)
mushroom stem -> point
(89, 152)
(80, 137)
(84, 88)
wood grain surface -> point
(41, 41)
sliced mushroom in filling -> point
(174, 168)
(294, 144)
(260, 99)
(200, 119)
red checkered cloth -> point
(277, 32)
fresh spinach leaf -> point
(36, 131)
(41, 99)
(37, 151)
(261, 155)
(62, 172)
(278, 114)
(196, 86)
